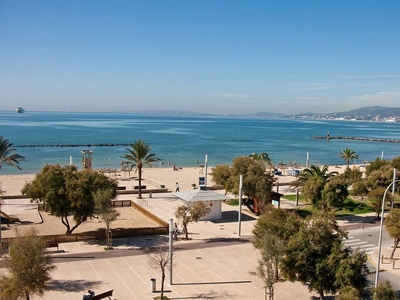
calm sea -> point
(185, 140)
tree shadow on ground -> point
(226, 240)
(211, 295)
(73, 285)
(133, 242)
(359, 219)
(232, 216)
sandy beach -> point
(152, 179)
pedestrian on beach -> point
(177, 187)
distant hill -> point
(362, 113)
(267, 115)
(370, 111)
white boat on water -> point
(20, 110)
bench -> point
(136, 187)
(103, 295)
(51, 244)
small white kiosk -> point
(213, 200)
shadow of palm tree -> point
(72, 285)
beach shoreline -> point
(11, 184)
(153, 178)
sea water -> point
(186, 140)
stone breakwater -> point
(355, 139)
(71, 145)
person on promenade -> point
(89, 296)
(176, 232)
(177, 187)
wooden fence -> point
(99, 234)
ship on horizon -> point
(20, 110)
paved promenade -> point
(215, 264)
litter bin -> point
(153, 285)
(150, 195)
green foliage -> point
(312, 182)
(267, 268)
(8, 155)
(29, 268)
(273, 230)
(348, 155)
(263, 157)
(232, 202)
(277, 222)
(396, 163)
(351, 269)
(347, 207)
(313, 256)
(139, 156)
(334, 192)
(351, 175)
(392, 224)
(103, 207)
(67, 192)
(376, 165)
(191, 213)
(352, 207)
(348, 293)
(221, 175)
(256, 181)
(384, 291)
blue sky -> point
(211, 56)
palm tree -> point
(314, 172)
(348, 155)
(7, 156)
(139, 156)
(262, 157)
(312, 181)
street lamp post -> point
(381, 232)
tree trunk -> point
(321, 295)
(396, 243)
(140, 182)
(271, 293)
(162, 284)
(276, 271)
(186, 231)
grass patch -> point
(302, 199)
(352, 207)
(232, 202)
(347, 208)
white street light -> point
(171, 232)
(380, 233)
(240, 204)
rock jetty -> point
(355, 139)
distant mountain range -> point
(368, 113)
(376, 113)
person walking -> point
(177, 187)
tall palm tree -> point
(139, 155)
(7, 156)
(348, 155)
(262, 157)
